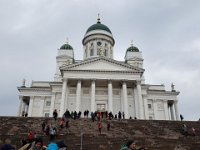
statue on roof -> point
(172, 87)
(24, 83)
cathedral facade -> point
(99, 83)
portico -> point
(103, 94)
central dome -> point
(98, 31)
(98, 26)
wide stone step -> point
(153, 134)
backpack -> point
(52, 146)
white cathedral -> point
(99, 83)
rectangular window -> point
(48, 103)
(91, 52)
(149, 106)
(105, 52)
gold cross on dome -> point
(66, 40)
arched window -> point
(106, 52)
(91, 52)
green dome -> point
(98, 26)
(132, 49)
(66, 46)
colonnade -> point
(173, 111)
(125, 108)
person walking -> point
(108, 126)
(55, 114)
(99, 126)
(181, 117)
(193, 131)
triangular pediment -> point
(102, 64)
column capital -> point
(124, 81)
(175, 101)
(138, 82)
(93, 79)
(31, 97)
(133, 84)
(64, 79)
(79, 80)
(109, 80)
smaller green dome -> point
(132, 49)
(66, 46)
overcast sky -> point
(166, 32)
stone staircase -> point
(152, 134)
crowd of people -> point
(33, 142)
(186, 132)
(37, 144)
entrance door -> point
(101, 107)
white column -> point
(20, 106)
(136, 102)
(26, 108)
(172, 112)
(78, 96)
(30, 107)
(110, 96)
(125, 100)
(146, 111)
(93, 106)
(169, 112)
(23, 107)
(166, 110)
(108, 51)
(84, 53)
(176, 110)
(155, 109)
(141, 114)
(42, 105)
(121, 100)
(53, 97)
(95, 48)
(88, 52)
(62, 103)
